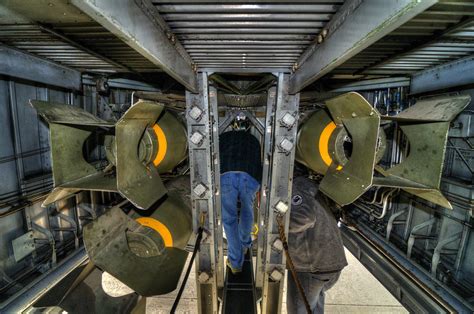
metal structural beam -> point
(16, 63)
(409, 284)
(239, 69)
(276, 193)
(75, 44)
(129, 22)
(203, 140)
(391, 82)
(451, 74)
(369, 22)
(31, 293)
(365, 85)
(123, 83)
(420, 48)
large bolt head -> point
(197, 138)
(277, 245)
(281, 207)
(276, 275)
(200, 190)
(288, 120)
(286, 145)
(195, 113)
(203, 277)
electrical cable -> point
(197, 244)
(289, 262)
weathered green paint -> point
(135, 254)
(426, 126)
(437, 109)
(137, 181)
(131, 146)
(307, 147)
(70, 127)
(353, 115)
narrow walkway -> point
(357, 291)
(239, 290)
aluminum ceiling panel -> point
(443, 33)
(85, 46)
(235, 34)
(58, 31)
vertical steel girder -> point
(126, 20)
(203, 138)
(264, 188)
(214, 129)
(23, 65)
(279, 152)
(369, 22)
(271, 263)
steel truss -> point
(279, 140)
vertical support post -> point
(462, 248)
(406, 232)
(283, 142)
(16, 138)
(216, 170)
(265, 187)
(202, 122)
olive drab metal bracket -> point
(147, 128)
(121, 243)
(351, 119)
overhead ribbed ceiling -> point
(233, 34)
(227, 35)
(58, 31)
(443, 33)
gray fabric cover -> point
(314, 239)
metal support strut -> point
(278, 151)
(203, 139)
(280, 138)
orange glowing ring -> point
(162, 145)
(158, 227)
(324, 144)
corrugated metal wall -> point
(25, 178)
